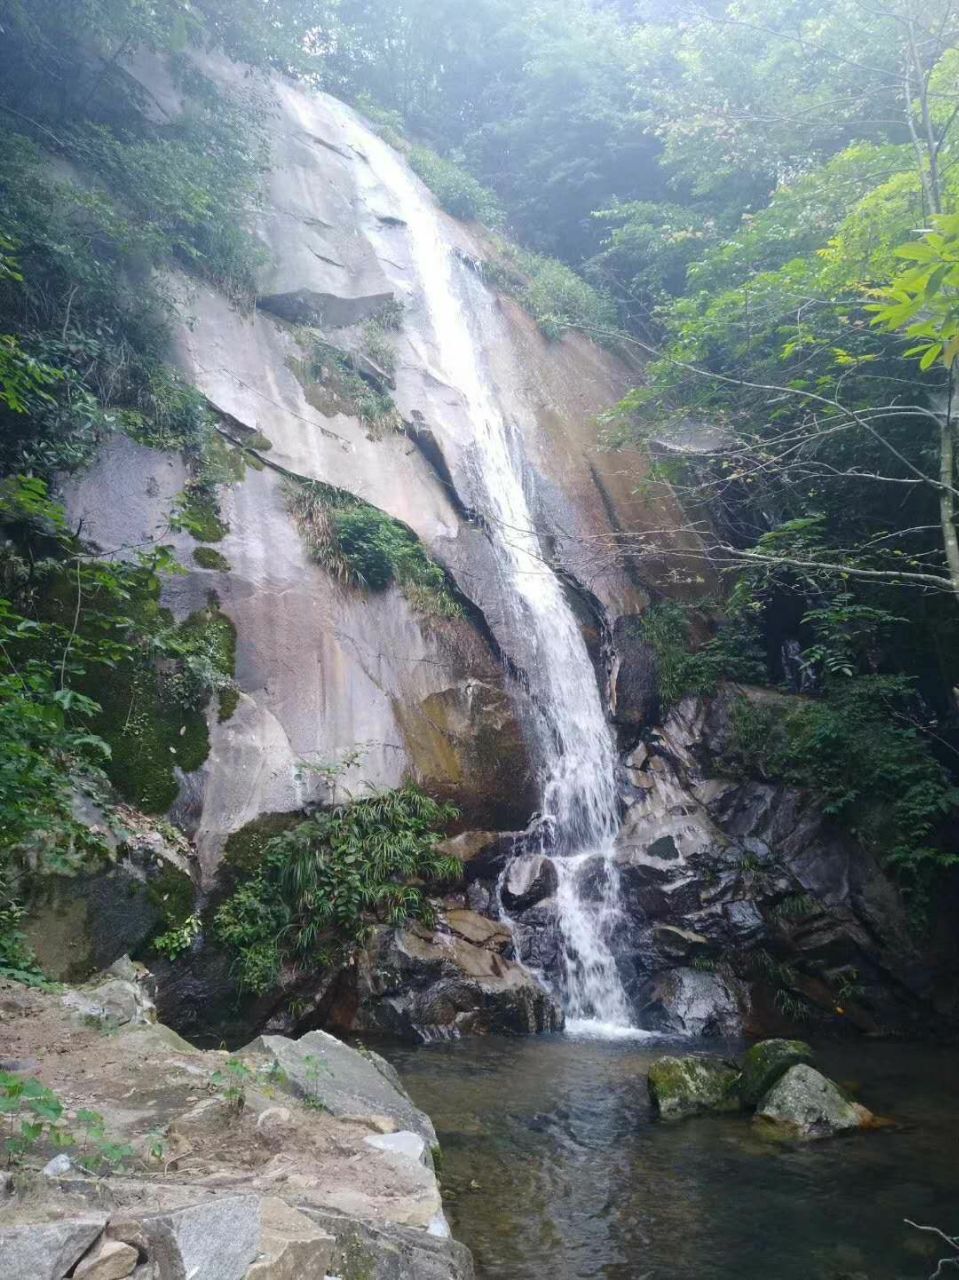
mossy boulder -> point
(693, 1085)
(805, 1105)
(79, 925)
(767, 1062)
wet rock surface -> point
(790, 1099)
(455, 980)
(766, 1062)
(784, 918)
(803, 1104)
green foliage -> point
(232, 1083)
(349, 389)
(388, 124)
(363, 547)
(859, 748)
(321, 885)
(733, 654)
(457, 191)
(154, 718)
(196, 512)
(17, 960)
(35, 1120)
(923, 301)
(555, 296)
(209, 558)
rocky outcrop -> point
(80, 924)
(742, 897)
(285, 1160)
(323, 668)
(745, 910)
(456, 979)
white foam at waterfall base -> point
(576, 755)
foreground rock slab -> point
(46, 1251)
(285, 1161)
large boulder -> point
(46, 1250)
(804, 1104)
(291, 1245)
(530, 878)
(79, 925)
(692, 1085)
(383, 1251)
(326, 1072)
(692, 1002)
(432, 984)
(766, 1062)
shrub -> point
(734, 653)
(322, 885)
(858, 748)
(457, 191)
(349, 391)
(555, 296)
(363, 547)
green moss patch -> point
(153, 717)
(208, 558)
(197, 513)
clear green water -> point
(556, 1169)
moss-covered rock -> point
(78, 925)
(804, 1105)
(689, 1086)
(767, 1062)
(153, 716)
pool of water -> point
(555, 1168)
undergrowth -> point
(363, 547)
(319, 887)
(734, 653)
(858, 748)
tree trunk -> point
(947, 499)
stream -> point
(556, 1170)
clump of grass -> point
(554, 295)
(363, 547)
(457, 191)
(348, 391)
(209, 558)
(376, 335)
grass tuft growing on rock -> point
(363, 547)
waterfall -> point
(577, 759)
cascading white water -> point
(575, 746)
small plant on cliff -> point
(364, 547)
(322, 885)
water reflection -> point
(558, 1172)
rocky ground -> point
(284, 1161)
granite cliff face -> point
(324, 668)
(705, 870)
